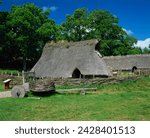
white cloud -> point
(129, 32)
(143, 43)
(52, 8)
(45, 8)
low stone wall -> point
(75, 82)
(71, 82)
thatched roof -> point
(62, 58)
(128, 62)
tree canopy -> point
(99, 24)
(3, 28)
(26, 28)
(26, 24)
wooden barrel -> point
(18, 91)
(42, 86)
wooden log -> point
(77, 90)
(36, 98)
(18, 91)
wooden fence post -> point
(23, 78)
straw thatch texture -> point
(128, 62)
(62, 58)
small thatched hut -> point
(128, 63)
(71, 59)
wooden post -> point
(18, 73)
(139, 72)
(120, 73)
(23, 79)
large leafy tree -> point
(114, 40)
(3, 28)
(29, 28)
(75, 26)
(135, 50)
(99, 24)
(146, 50)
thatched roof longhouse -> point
(128, 62)
(69, 59)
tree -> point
(98, 24)
(75, 26)
(25, 25)
(114, 40)
(48, 31)
(3, 28)
(146, 50)
(135, 50)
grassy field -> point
(129, 100)
(8, 71)
(1, 86)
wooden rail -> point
(81, 90)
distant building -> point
(128, 63)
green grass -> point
(125, 101)
(9, 71)
(1, 86)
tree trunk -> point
(24, 63)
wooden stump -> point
(82, 92)
(18, 91)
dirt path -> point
(5, 94)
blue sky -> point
(134, 15)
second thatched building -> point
(128, 62)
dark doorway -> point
(134, 69)
(97, 47)
(76, 73)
